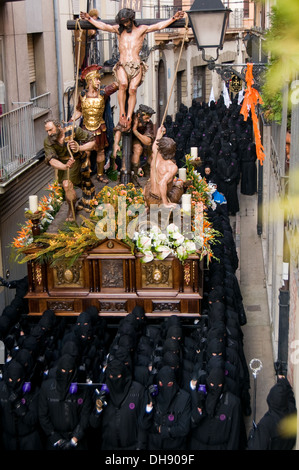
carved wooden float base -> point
(114, 280)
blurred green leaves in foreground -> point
(282, 42)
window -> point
(198, 82)
(179, 89)
(246, 8)
(178, 5)
(31, 64)
(2, 81)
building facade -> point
(36, 71)
(278, 220)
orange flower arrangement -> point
(48, 207)
(73, 240)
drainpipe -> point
(283, 333)
(260, 183)
(260, 200)
(58, 59)
(284, 293)
(284, 301)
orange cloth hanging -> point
(251, 99)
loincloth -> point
(174, 194)
(132, 69)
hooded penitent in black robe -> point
(281, 403)
(217, 425)
(18, 410)
(167, 424)
(249, 170)
(64, 409)
(228, 176)
(118, 421)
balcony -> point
(17, 138)
(240, 19)
(41, 105)
(236, 19)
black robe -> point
(220, 431)
(64, 411)
(228, 175)
(167, 424)
(281, 403)
(176, 422)
(118, 425)
(249, 170)
(19, 413)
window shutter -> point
(31, 60)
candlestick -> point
(35, 227)
(186, 202)
(33, 203)
(35, 218)
(183, 174)
(193, 152)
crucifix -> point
(130, 70)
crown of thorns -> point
(124, 15)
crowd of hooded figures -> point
(153, 380)
(142, 385)
(224, 143)
(71, 384)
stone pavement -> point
(257, 331)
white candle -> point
(186, 199)
(183, 174)
(194, 152)
(186, 202)
(33, 203)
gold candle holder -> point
(35, 218)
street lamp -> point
(208, 20)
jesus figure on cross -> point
(130, 69)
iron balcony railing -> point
(41, 105)
(278, 155)
(17, 138)
(236, 17)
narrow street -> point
(257, 331)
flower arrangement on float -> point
(48, 206)
(73, 240)
(156, 244)
(110, 195)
